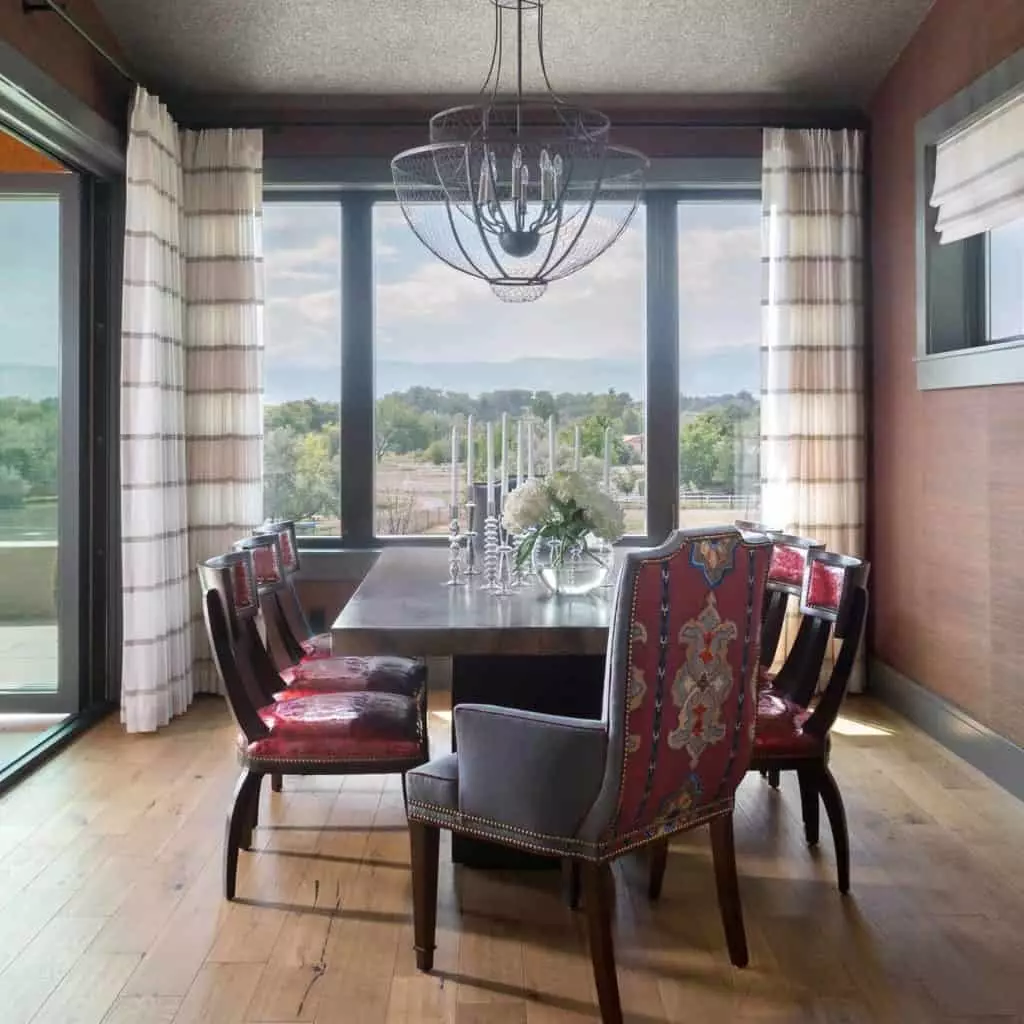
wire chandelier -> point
(517, 192)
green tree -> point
(400, 428)
(706, 450)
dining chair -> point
(355, 732)
(672, 744)
(792, 737)
(311, 644)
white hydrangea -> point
(527, 507)
(537, 502)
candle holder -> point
(454, 550)
(470, 568)
(504, 584)
(491, 552)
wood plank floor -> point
(111, 908)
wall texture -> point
(17, 158)
(58, 51)
(948, 466)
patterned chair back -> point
(285, 531)
(291, 606)
(230, 606)
(679, 690)
(266, 559)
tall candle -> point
(519, 452)
(469, 457)
(576, 448)
(551, 445)
(529, 449)
(490, 469)
(504, 457)
(455, 466)
(607, 457)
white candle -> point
(576, 448)
(490, 469)
(455, 466)
(551, 445)
(504, 457)
(607, 457)
(519, 452)
(529, 449)
(469, 457)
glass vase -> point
(568, 567)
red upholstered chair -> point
(348, 733)
(673, 743)
(311, 645)
(790, 736)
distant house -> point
(634, 441)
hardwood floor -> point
(111, 908)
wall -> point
(57, 50)
(17, 158)
(948, 470)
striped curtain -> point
(812, 407)
(191, 351)
(156, 671)
(223, 245)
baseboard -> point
(994, 755)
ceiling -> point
(817, 53)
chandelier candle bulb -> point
(607, 458)
(519, 452)
(490, 469)
(469, 456)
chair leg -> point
(239, 817)
(598, 901)
(809, 778)
(253, 817)
(774, 777)
(424, 841)
(724, 851)
(571, 883)
(659, 860)
(276, 782)
(833, 801)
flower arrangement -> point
(564, 508)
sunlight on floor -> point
(851, 727)
(444, 716)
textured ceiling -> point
(821, 52)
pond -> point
(35, 521)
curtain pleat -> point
(812, 411)
(191, 379)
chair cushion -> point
(337, 675)
(339, 728)
(318, 646)
(435, 783)
(779, 729)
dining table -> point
(529, 649)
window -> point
(1004, 272)
(446, 349)
(719, 360)
(302, 365)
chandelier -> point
(518, 192)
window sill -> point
(972, 367)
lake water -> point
(30, 522)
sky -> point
(440, 328)
(29, 296)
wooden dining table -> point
(531, 649)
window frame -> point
(358, 184)
(951, 280)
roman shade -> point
(979, 172)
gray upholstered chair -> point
(673, 742)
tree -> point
(400, 428)
(626, 479)
(706, 450)
(543, 406)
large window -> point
(719, 360)
(302, 365)
(446, 349)
(1004, 265)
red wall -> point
(948, 466)
(58, 51)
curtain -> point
(223, 243)
(812, 407)
(156, 679)
(191, 351)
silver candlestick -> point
(454, 550)
(470, 567)
(491, 554)
(503, 587)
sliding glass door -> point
(40, 493)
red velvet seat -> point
(343, 674)
(352, 727)
(780, 728)
(316, 646)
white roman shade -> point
(979, 173)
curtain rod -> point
(53, 7)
